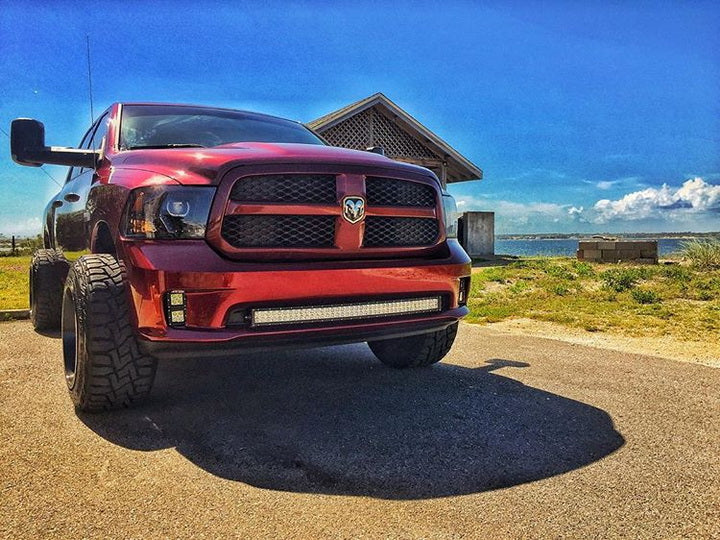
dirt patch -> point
(699, 352)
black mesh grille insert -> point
(261, 231)
(391, 192)
(285, 188)
(399, 231)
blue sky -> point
(585, 116)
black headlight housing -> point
(168, 212)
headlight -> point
(168, 212)
(451, 216)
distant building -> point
(377, 121)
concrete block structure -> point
(643, 252)
(477, 233)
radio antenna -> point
(92, 112)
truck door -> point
(71, 216)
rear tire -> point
(104, 365)
(415, 351)
(48, 270)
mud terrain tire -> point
(48, 270)
(104, 366)
(415, 351)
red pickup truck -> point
(201, 231)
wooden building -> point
(377, 121)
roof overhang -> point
(459, 167)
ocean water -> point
(566, 246)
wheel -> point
(104, 365)
(48, 270)
(415, 351)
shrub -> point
(519, 286)
(644, 296)
(537, 262)
(703, 253)
(705, 295)
(494, 274)
(583, 269)
(559, 290)
(560, 272)
(621, 279)
(707, 289)
(676, 272)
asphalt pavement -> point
(509, 437)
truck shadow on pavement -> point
(334, 421)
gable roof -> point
(459, 167)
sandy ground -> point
(511, 437)
(700, 352)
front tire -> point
(415, 351)
(48, 270)
(104, 365)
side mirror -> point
(27, 147)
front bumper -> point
(214, 287)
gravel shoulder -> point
(511, 437)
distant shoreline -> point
(577, 236)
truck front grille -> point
(289, 215)
(257, 231)
(399, 231)
(392, 192)
(285, 188)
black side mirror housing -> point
(27, 147)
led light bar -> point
(344, 312)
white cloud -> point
(693, 197)
(26, 227)
(606, 184)
(512, 216)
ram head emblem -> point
(353, 209)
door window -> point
(75, 171)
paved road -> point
(510, 437)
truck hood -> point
(192, 166)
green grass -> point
(679, 300)
(702, 253)
(14, 282)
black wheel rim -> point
(69, 338)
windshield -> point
(168, 126)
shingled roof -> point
(377, 121)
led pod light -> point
(175, 308)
